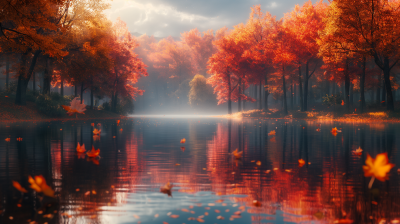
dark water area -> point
(140, 155)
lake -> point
(140, 155)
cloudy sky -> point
(171, 17)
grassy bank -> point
(9, 112)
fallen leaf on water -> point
(166, 189)
(256, 203)
(217, 211)
(80, 149)
(211, 204)
(136, 216)
(7, 139)
(183, 140)
(177, 164)
(200, 220)
(39, 185)
(273, 132)
(318, 129)
(19, 187)
(357, 152)
(237, 154)
(220, 217)
(206, 213)
(227, 210)
(378, 167)
(174, 216)
(258, 163)
(118, 122)
(334, 131)
(342, 103)
(156, 216)
(96, 131)
(219, 201)
(184, 210)
(93, 152)
(87, 193)
(301, 162)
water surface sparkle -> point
(142, 154)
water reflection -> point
(140, 155)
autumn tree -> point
(201, 47)
(303, 24)
(368, 28)
(200, 94)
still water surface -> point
(140, 155)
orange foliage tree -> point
(368, 28)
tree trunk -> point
(362, 86)
(34, 83)
(240, 98)
(91, 93)
(389, 94)
(291, 94)
(23, 80)
(244, 102)
(347, 87)
(47, 76)
(260, 105)
(229, 95)
(82, 92)
(306, 88)
(266, 93)
(301, 91)
(7, 70)
(285, 111)
(378, 90)
(62, 86)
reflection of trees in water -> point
(332, 184)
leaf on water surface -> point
(96, 131)
(174, 216)
(258, 163)
(39, 185)
(183, 140)
(19, 187)
(7, 139)
(301, 162)
(80, 149)
(334, 131)
(93, 152)
(184, 210)
(273, 132)
(166, 189)
(237, 154)
(220, 217)
(200, 220)
(378, 167)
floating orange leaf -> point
(7, 139)
(96, 131)
(75, 107)
(174, 216)
(80, 149)
(378, 167)
(93, 152)
(19, 187)
(301, 162)
(200, 220)
(39, 185)
(273, 132)
(237, 154)
(342, 103)
(334, 131)
(258, 163)
(220, 217)
(184, 210)
(357, 152)
(183, 140)
(118, 122)
(257, 203)
(166, 189)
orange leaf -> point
(183, 140)
(93, 152)
(301, 162)
(80, 149)
(19, 187)
(39, 185)
(96, 131)
(273, 132)
(174, 216)
(378, 167)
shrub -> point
(51, 104)
(332, 99)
